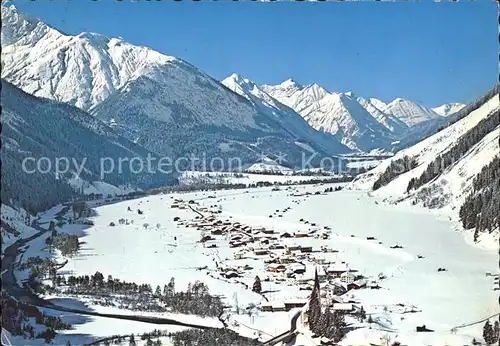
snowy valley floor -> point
(446, 300)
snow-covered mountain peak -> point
(17, 26)
(409, 112)
(378, 103)
(239, 84)
(448, 109)
(290, 83)
(316, 90)
(82, 70)
(94, 38)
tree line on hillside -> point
(219, 337)
(195, 300)
(457, 151)
(481, 207)
(395, 169)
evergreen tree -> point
(131, 340)
(314, 312)
(370, 320)
(488, 335)
(362, 314)
(171, 285)
(340, 326)
(257, 285)
(496, 331)
(158, 291)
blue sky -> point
(428, 52)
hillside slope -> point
(45, 130)
(438, 172)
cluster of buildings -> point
(285, 259)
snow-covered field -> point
(460, 295)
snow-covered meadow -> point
(463, 294)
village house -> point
(293, 304)
(231, 274)
(261, 252)
(357, 284)
(266, 307)
(298, 268)
(236, 237)
(301, 234)
(285, 235)
(236, 243)
(336, 299)
(277, 246)
(347, 278)
(217, 231)
(305, 249)
(287, 259)
(276, 268)
(343, 307)
(336, 271)
(292, 247)
(320, 260)
(278, 306)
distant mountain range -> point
(170, 107)
(359, 123)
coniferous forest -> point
(396, 168)
(466, 142)
(481, 207)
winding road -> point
(286, 336)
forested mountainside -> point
(38, 128)
(480, 211)
(189, 113)
(454, 168)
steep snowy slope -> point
(409, 112)
(44, 131)
(453, 181)
(339, 114)
(448, 109)
(377, 103)
(286, 116)
(391, 122)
